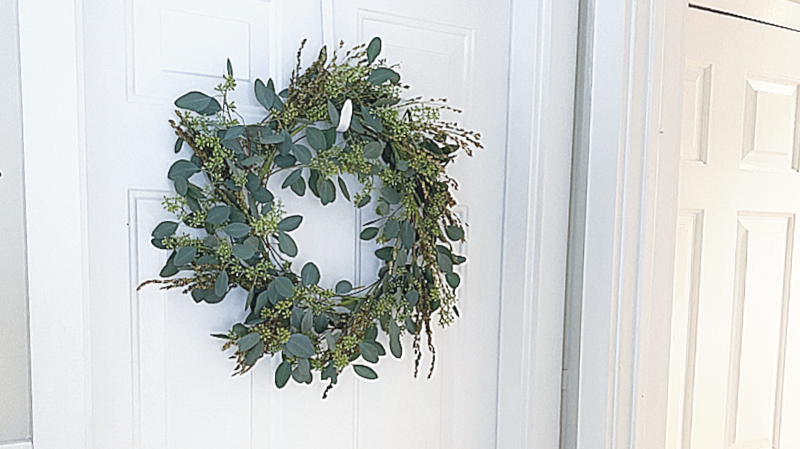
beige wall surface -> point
(15, 393)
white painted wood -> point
(154, 356)
(20, 445)
(51, 55)
(631, 152)
(15, 396)
(781, 12)
(740, 343)
(539, 148)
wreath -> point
(336, 118)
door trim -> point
(536, 220)
(55, 207)
(632, 153)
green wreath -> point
(335, 118)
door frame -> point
(631, 152)
(539, 136)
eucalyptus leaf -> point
(412, 297)
(248, 341)
(302, 154)
(333, 114)
(454, 233)
(292, 178)
(369, 233)
(343, 188)
(282, 374)
(284, 286)
(221, 284)
(308, 322)
(182, 169)
(309, 274)
(291, 223)
(343, 287)
(368, 351)
(407, 234)
(178, 145)
(453, 279)
(300, 345)
(327, 192)
(316, 139)
(373, 150)
(237, 230)
(218, 215)
(365, 372)
(185, 255)
(385, 253)
(373, 49)
(198, 102)
(390, 195)
(383, 74)
(287, 244)
(165, 229)
(243, 252)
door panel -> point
(734, 310)
(158, 379)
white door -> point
(158, 380)
(735, 353)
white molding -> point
(52, 107)
(540, 112)
(630, 218)
(17, 445)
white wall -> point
(15, 396)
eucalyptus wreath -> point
(337, 118)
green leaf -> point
(402, 165)
(412, 297)
(308, 322)
(407, 234)
(411, 326)
(181, 186)
(383, 74)
(221, 284)
(282, 374)
(283, 286)
(373, 49)
(165, 229)
(218, 215)
(391, 229)
(368, 351)
(394, 339)
(302, 153)
(230, 68)
(182, 169)
(453, 279)
(445, 262)
(371, 333)
(169, 268)
(299, 187)
(248, 341)
(369, 233)
(343, 188)
(287, 244)
(386, 253)
(198, 102)
(300, 345)
(309, 274)
(373, 150)
(272, 139)
(292, 178)
(343, 287)
(327, 192)
(454, 233)
(365, 372)
(243, 252)
(333, 114)
(390, 195)
(364, 201)
(178, 145)
(289, 224)
(255, 353)
(370, 120)
(261, 301)
(240, 330)
(284, 161)
(262, 94)
(316, 139)
(237, 230)
(185, 255)
(263, 195)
